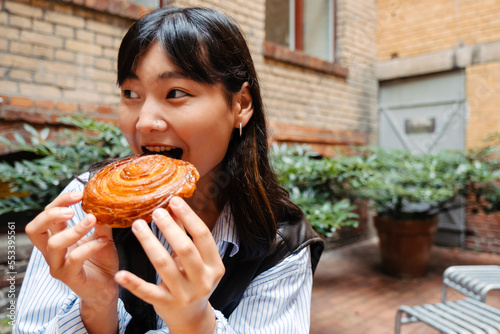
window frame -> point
(298, 27)
(294, 53)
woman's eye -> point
(130, 94)
(176, 93)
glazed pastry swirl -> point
(132, 188)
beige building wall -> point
(408, 28)
(59, 58)
(483, 96)
(429, 36)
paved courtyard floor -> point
(351, 294)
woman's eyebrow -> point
(171, 75)
(162, 76)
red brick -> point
(86, 108)
(28, 116)
(19, 101)
(44, 104)
(133, 11)
(101, 5)
(105, 110)
(64, 106)
(54, 118)
(90, 3)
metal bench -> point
(464, 316)
(473, 281)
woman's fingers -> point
(71, 235)
(66, 199)
(57, 246)
(53, 218)
(73, 262)
(185, 250)
(148, 292)
(157, 254)
(198, 230)
(50, 221)
(83, 252)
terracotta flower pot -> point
(405, 245)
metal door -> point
(426, 114)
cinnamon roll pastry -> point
(131, 188)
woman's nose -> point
(149, 122)
(146, 125)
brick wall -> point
(57, 59)
(483, 231)
(408, 28)
(483, 97)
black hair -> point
(208, 47)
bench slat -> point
(454, 317)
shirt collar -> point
(224, 232)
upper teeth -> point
(158, 148)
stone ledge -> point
(442, 61)
(322, 141)
(298, 58)
(121, 8)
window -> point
(305, 25)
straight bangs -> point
(183, 41)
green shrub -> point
(59, 161)
(310, 184)
(401, 184)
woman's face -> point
(163, 111)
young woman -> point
(237, 257)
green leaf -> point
(44, 134)
(31, 130)
(19, 139)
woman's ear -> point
(243, 106)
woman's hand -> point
(86, 265)
(188, 278)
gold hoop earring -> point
(241, 130)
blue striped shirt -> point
(276, 301)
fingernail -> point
(138, 225)
(159, 213)
(66, 211)
(175, 202)
(121, 277)
(76, 194)
(85, 223)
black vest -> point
(240, 269)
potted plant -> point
(407, 191)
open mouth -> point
(171, 152)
